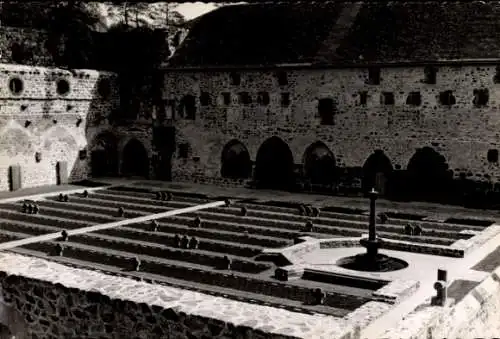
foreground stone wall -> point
(47, 115)
(461, 132)
(44, 299)
(477, 315)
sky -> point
(192, 10)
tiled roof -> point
(342, 32)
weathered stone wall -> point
(475, 316)
(38, 119)
(43, 299)
(462, 133)
(29, 42)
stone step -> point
(290, 214)
(346, 229)
(136, 248)
(195, 273)
(72, 222)
(152, 195)
(137, 234)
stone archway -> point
(135, 160)
(274, 165)
(376, 172)
(319, 164)
(235, 161)
(104, 155)
(428, 174)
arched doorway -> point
(104, 155)
(235, 161)
(319, 164)
(274, 165)
(428, 174)
(135, 161)
(376, 172)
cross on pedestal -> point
(372, 227)
(372, 243)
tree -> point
(70, 27)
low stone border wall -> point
(396, 291)
(293, 253)
(398, 245)
(475, 316)
(58, 301)
(477, 240)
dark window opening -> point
(62, 86)
(16, 85)
(282, 78)
(245, 98)
(430, 75)
(374, 76)
(496, 78)
(104, 88)
(170, 109)
(388, 98)
(235, 79)
(492, 155)
(226, 98)
(82, 154)
(187, 107)
(205, 99)
(263, 98)
(326, 111)
(363, 98)
(414, 99)
(184, 150)
(285, 99)
(481, 97)
(447, 98)
(17, 53)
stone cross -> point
(372, 228)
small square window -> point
(492, 155)
(263, 98)
(184, 150)
(226, 98)
(363, 98)
(205, 99)
(430, 73)
(374, 76)
(235, 79)
(282, 78)
(496, 78)
(387, 98)
(447, 98)
(481, 97)
(170, 109)
(285, 99)
(414, 99)
(326, 111)
(187, 107)
(245, 98)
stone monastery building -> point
(301, 96)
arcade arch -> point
(274, 165)
(135, 160)
(428, 173)
(235, 161)
(377, 170)
(104, 155)
(319, 164)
